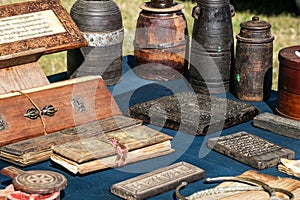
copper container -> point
(161, 41)
(288, 103)
(212, 46)
(254, 61)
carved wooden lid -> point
(35, 181)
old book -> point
(278, 124)
(250, 149)
(157, 181)
(232, 190)
(96, 153)
(196, 114)
(29, 113)
(38, 149)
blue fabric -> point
(188, 148)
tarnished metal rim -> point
(176, 7)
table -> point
(188, 148)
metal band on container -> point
(103, 39)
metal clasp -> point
(34, 113)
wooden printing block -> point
(38, 149)
(278, 124)
(36, 182)
(196, 114)
(158, 181)
(250, 149)
(57, 106)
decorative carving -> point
(78, 104)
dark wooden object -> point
(38, 149)
(35, 181)
(250, 149)
(278, 124)
(161, 42)
(196, 114)
(212, 47)
(288, 82)
(158, 181)
(77, 101)
(254, 61)
(101, 24)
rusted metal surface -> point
(213, 42)
(288, 103)
(161, 41)
(101, 24)
(254, 58)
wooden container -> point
(100, 22)
(288, 103)
(254, 61)
(213, 42)
(161, 41)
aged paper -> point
(30, 25)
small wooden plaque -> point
(30, 29)
(250, 149)
(158, 181)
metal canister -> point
(100, 22)
(161, 41)
(288, 101)
(254, 60)
(212, 46)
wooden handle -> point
(11, 171)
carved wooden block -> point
(278, 124)
(158, 181)
(31, 29)
(196, 114)
(250, 149)
(46, 109)
(38, 149)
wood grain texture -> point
(78, 101)
(22, 77)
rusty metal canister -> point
(100, 22)
(254, 61)
(288, 101)
(212, 46)
(161, 41)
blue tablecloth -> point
(188, 148)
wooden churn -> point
(161, 41)
(254, 61)
(100, 22)
(288, 102)
(212, 46)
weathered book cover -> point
(278, 124)
(38, 149)
(250, 149)
(196, 114)
(157, 181)
(97, 153)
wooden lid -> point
(35, 181)
(290, 57)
